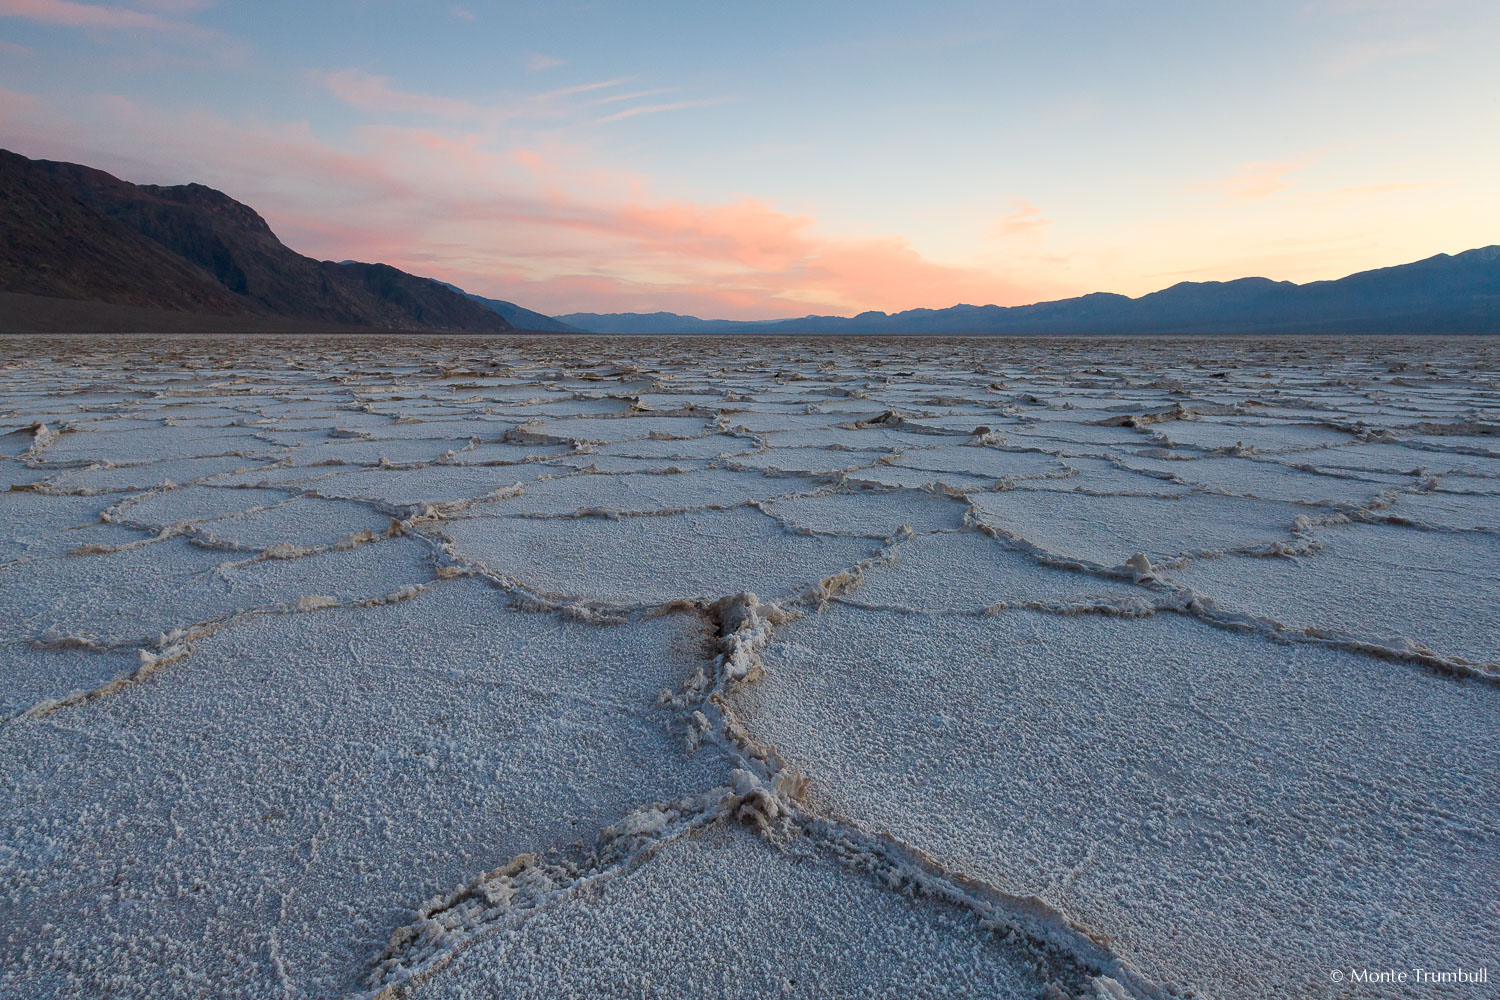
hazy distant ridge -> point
(1442, 294)
(519, 316)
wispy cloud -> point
(1355, 192)
(99, 17)
(150, 34)
(175, 6)
(379, 94)
(634, 95)
(536, 62)
(651, 109)
(1024, 219)
(1352, 57)
(1262, 179)
(461, 13)
(584, 88)
(376, 93)
(1375, 32)
(373, 93)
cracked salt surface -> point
(651, 560)
(1108, 530)
(383, 668)
(1237, 816)
(266, 810)
(723, 914)
(1268, 480)
(132, 595)
(1397, 584)
(971, 573)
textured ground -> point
(544, 668)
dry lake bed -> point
(378, 667)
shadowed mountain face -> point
(52, 244)
(1442, 294)
(73, 232)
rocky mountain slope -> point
(71, 232)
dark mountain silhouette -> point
(52, 244)
(519, 316)
(1442, 294)
(72, 232)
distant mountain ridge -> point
(71, 232)
(519, 316)
(83, 250)
(1441, 294)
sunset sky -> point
(768, 159)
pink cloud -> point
(68, 14)
(1263, 179)
(557, 234)
(1024, 219)
(744, 232)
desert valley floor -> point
(404, 667)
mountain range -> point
(519, 316)
(81, 250)
(1442, 294)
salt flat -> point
(379, 667)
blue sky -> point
(770, 159)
